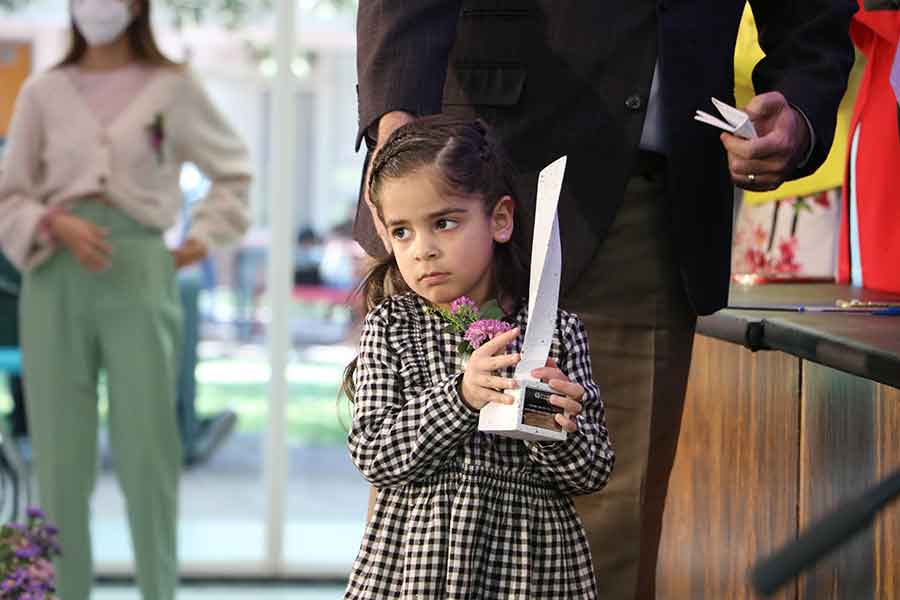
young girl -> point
(89, 183)
(459, 513)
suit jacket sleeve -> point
(402, 52)
(808, 59)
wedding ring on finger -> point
(751, 178)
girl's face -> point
(444, 245)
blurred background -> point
(268, 490)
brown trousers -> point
(641, 330)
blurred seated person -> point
(307, 257)
(343, 261)
(201, 435)
(344, 264)
(869, 247)
(790, 232)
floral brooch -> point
(157, 133)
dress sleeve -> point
(206, 139)
(21, 212)
(401, 433)
(583, 462)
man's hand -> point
(386, 126)
(569, 397)
(190, 252)
(764, 163)
(479, 383)
(86, 241)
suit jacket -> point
(561, 77)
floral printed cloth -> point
(788, 239)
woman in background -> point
(90, 182)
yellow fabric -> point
(831, 174)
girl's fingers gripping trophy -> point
(480, 385)
(569, 397)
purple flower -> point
(461, 303)
(41, 572)
(14, 580)
(50, 530)
(481, 331)
(28, 551)
(35, 513)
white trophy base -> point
(530, 417)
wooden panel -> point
(837, 462)
(733, 493)
(887, 461)
(15, 66)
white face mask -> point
(100, 21)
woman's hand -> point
(190, 252)
(479, 384)
(86, 241)
(570, 398)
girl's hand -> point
(86, 241)
(479, 384)
(569, 401)
(190, 252)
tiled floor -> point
(223, 503)
(230, 592)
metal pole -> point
(282, 130)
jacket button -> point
(633, 102)
(101, 179)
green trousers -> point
(126, 321)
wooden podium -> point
(774, 439)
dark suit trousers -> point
(640, 327)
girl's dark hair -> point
(140, 37)
(471, 162)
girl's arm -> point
(206, 139)
(399, 436)
(21, 213)
(583, 462)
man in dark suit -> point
(645, 211)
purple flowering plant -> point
(477, 325)
(26, 550)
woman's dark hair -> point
(140, 37)
(470, 162)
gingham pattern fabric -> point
(463, 514)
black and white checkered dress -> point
(462, 514)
